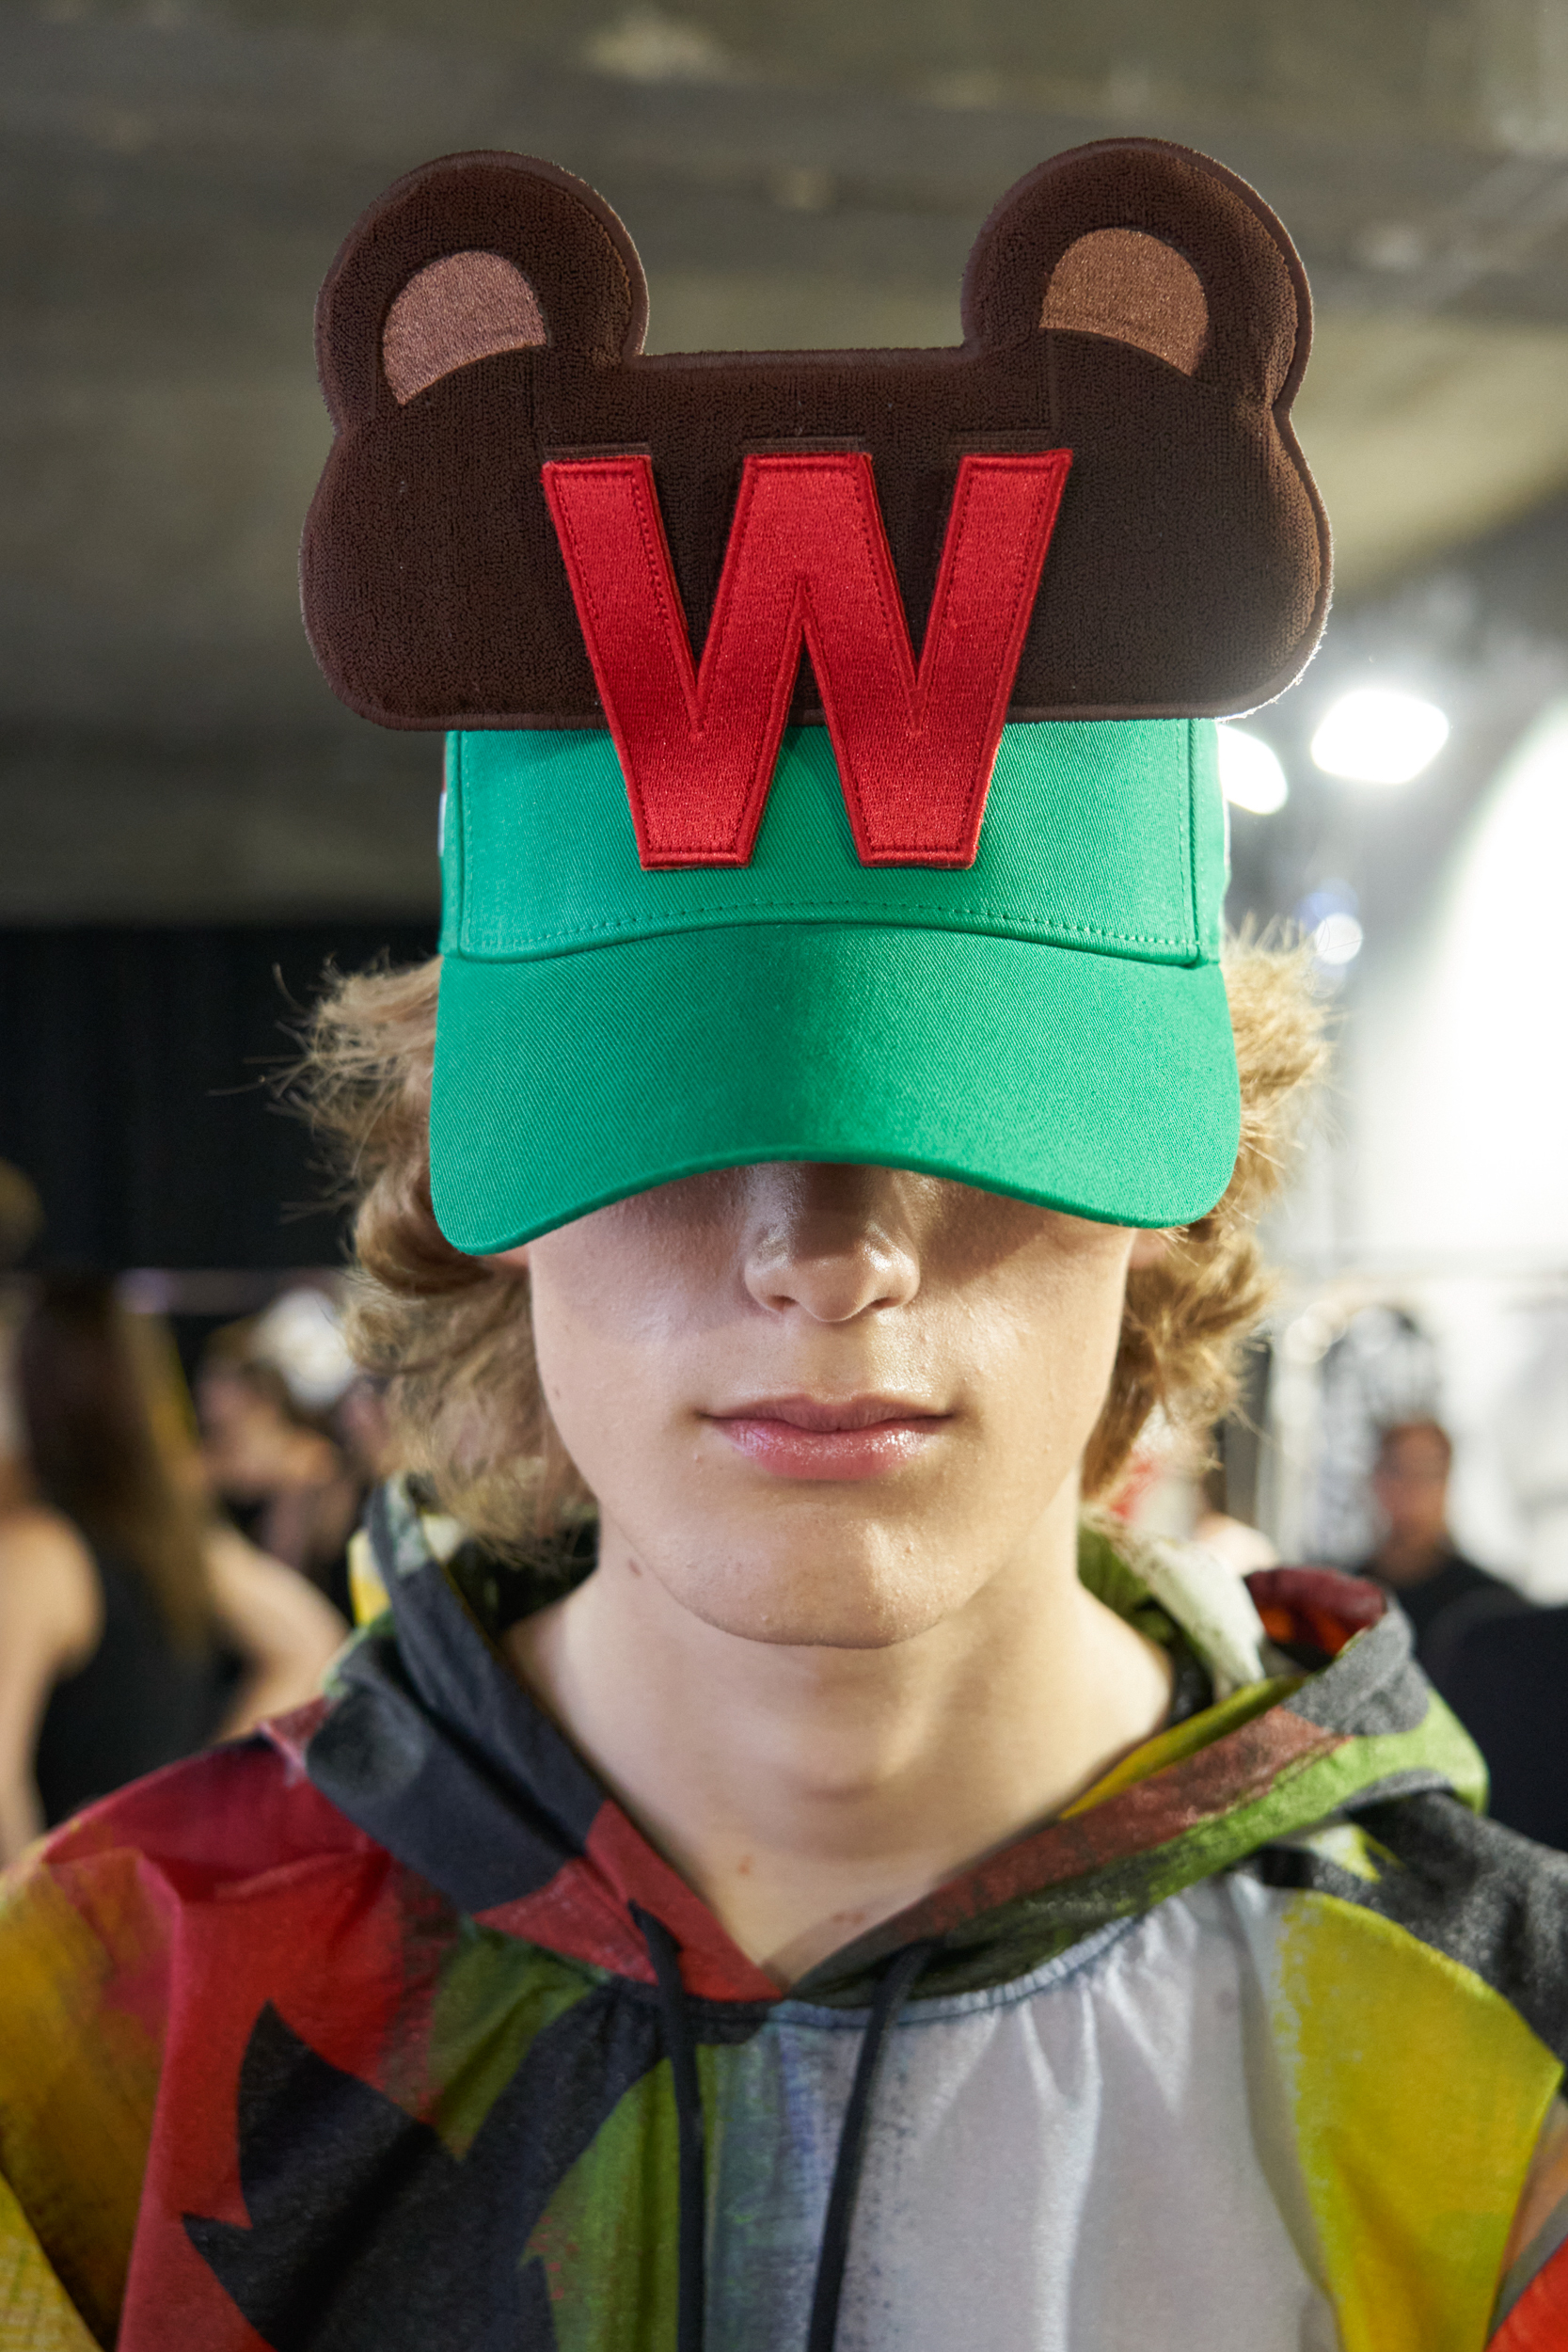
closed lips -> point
(853, 1437)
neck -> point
(807, 1793)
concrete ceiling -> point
(176, 177)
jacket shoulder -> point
(1480, 1894)
(229, 1814)
(89, 1961)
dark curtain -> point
(132, 1087)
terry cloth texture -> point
(1130, 303)
(358, 2034)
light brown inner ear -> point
(1125, 283)
(455, 310)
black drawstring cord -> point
(682, 2051)
(892, 1992)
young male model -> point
(771, 1872)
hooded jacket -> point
(387, 2029)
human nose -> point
(829, 1241)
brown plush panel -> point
(1189, 571)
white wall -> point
(1457, 1077)
(1452, 1192)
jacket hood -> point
(1310, 1708)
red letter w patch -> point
(807, 561)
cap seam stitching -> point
(1192, 835)
(460, 837)
(730, 918)
(1186, 848)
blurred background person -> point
(1224, 1531)
(1500, 1662)
(21, 1215)
(1415, 1555)
(131, 1629)
(292, 1435)
(1506, 1677)
(21, 1223)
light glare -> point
(1378, 735)
(1251, 776)
(1338, 939)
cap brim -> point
(1090, 1083)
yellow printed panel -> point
(368, 1595)
(1419, 2096)
(36, 2313)
(79, 2072)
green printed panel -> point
(493, 2001)
(609, 2240)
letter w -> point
(808, 561)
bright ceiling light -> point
(1251, 776)
(1380, 736)
(1338, 939)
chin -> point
(842, 1604)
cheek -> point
(580, 1340)
(1052, 1352)
(611, 1315)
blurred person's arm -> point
(281, 1626)
(308, 1522)
(51, 1621)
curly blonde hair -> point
(452, 1336)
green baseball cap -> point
(1049, 1022)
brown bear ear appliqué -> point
(467, 258)
(459, 308)
(1130, 305)
(1130, 236)
(1127, 284)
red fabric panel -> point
(1318, 1606)
(1539, 2320)
(243, 1807)
(807, 561)
(261, 1891)
(585, 1913)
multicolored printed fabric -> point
(351, 2037)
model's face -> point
(828, 1404)
(1411, 1485)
